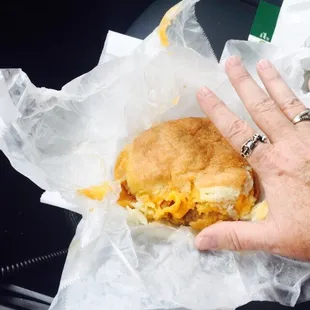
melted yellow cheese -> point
(97, 192)
(165, 23)
(260, 211)
(177, 204)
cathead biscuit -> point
(186, 173)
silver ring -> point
(248, 147)
(302, 116)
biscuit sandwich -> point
(186, 173)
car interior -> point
(55, 42)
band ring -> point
(301, 117)
(248, 147)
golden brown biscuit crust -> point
(173, 152)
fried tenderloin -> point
(185, 172)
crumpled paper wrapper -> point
(69, 139)
(293, 24)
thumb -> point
(235, 236)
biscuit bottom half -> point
(198, 208)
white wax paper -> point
(69, 139)
(293, 24)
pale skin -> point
(282, 164)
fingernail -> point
(206, 242)
(205, 91)
(264, 65)
(234, 61)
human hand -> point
(283, 165)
